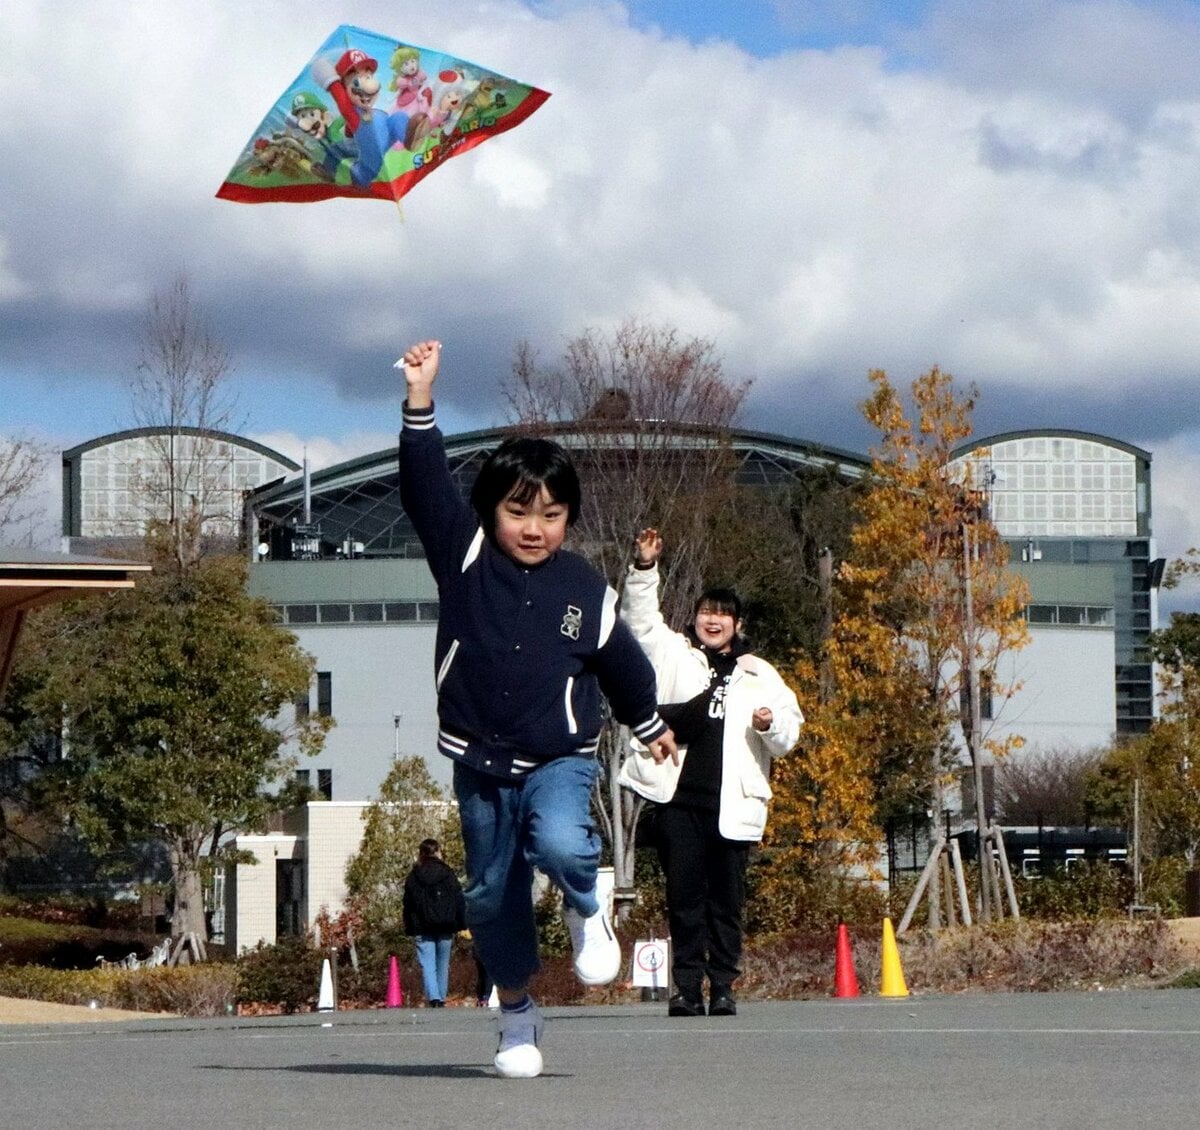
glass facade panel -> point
(126, 483)
(1060, 486)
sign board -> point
(652, 963)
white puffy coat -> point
(683, 672)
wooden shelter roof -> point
(29, 579)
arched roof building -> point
(114, 484)
(1075, 510)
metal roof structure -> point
(1050, 433)
(183, 430)
(358, 502)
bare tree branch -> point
(22, 463)
(180, 389)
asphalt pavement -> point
(1101, 1059)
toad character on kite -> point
(303, 152)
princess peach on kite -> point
(408, 81)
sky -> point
(1009, 189)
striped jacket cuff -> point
(418, 419)
(650, 730)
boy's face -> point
(715, 629)
(531, 532)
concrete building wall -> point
(250, 890)
(1067, 696)
(378, 671)
(322, 836)
(334, 833)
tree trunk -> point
(189, 895)
(624, 824)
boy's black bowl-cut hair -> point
(520, 467)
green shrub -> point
(287, 973)
(1090, 889)
(65, 945)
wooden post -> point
(960, 878)
(928, 871)
(947, 888)
(1002, 852)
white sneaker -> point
(518, 1056)
(597, 951)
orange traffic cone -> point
(395, 994)
(845, 980)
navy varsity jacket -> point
(523, 654)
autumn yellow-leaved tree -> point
(883, 695)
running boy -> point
(527, 639)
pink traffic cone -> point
(395, 994)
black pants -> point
(706, 887)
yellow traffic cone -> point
(891, 980)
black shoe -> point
(437, 1004)
(679, 1005)
(722, 1004)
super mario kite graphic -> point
(370, 116)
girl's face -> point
(714, 628)
(531, 532)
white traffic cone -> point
(325, 996)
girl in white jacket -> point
(734, 714)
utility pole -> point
(971, 671)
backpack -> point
(436, 906)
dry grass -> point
(1024, 956)
(190, 990)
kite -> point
(345, 128)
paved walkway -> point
(1086, 1060)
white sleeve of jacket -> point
(786, 717)
(665, 648)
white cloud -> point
(322, 451)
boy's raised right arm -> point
(430, 497)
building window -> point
(325, 693)
(303, 706)
(304, 777)
(325, 783)
(335, 613)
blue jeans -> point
(542, 820)
(433, 952)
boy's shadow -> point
(393, 1070)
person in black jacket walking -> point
(434, 911)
